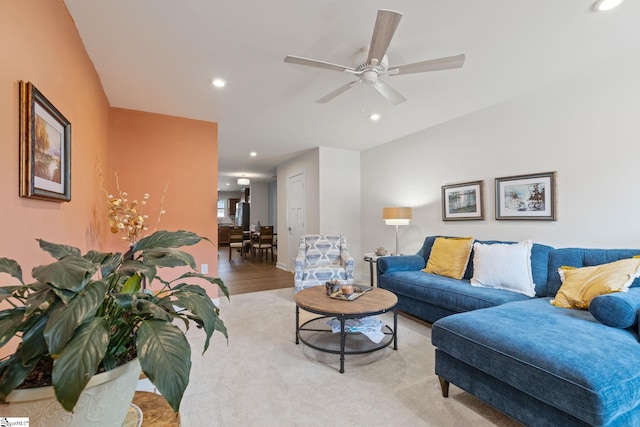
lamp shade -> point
(397, 215)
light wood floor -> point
(243, 275)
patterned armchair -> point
(322, 258)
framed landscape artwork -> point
(527, 197)
(45, 148)
(463, 201)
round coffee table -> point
(315, 300)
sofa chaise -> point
(540, 364)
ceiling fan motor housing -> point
(369, 72)
(370, 76)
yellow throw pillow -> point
(581, 285)
(449, 256)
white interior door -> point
(296, 214)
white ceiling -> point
(161, 55)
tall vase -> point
(104, 402)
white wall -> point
(340, 197)
(307, 162)
(587, 129)
(332, 188)
(259, 193)
(272, 191)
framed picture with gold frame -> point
(45, 148)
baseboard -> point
(282, 266)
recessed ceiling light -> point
(219, 83)
(374, 117)
(602, 5)
(253, 154)
(227, 183)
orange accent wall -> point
(40, 43)
(152, 151)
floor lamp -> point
(396, 216)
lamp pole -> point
(397, 240)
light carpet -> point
(262, 378)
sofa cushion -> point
(539, 263)
(452, 294)
(581, 285)
(561, 357)
(579, 257)
(449, 256)
(619, 309)
(389, 264)
(504, 266)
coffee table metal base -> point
(317, 334)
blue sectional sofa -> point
(430, 297)
(540, 364)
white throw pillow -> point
(504, 266)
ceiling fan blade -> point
(429, 65)
(328, 97)
(386, 24)
(392, 95)
(315, 63)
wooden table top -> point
(316, 300)
(156, 412)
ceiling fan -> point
(376, 63)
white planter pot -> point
(104, 402)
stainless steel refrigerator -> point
(242, 215)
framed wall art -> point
(45, 148)
(527, 197)
(463, 201)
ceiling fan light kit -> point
(370, 70)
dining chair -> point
(264, 242)
(247, 241)
(236, 240)
(223, 235)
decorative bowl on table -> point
(381, 251)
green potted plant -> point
(86, 319)
(84, 314)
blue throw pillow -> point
(618, 309)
